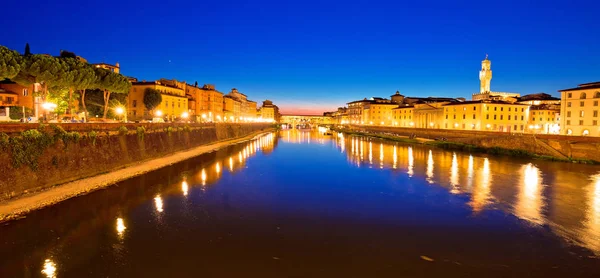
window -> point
(509, 117)
(487, 117)
(521, 118)
(501, 108)
(580, 122)
(595, 103)
(494, 117)
(134, 112)
(515, 127)
(446, 117)
(25, 92)
(569, 104)
(583, 96)
(568, 114)
(595, 113)
(569, 95)
(581, 103)
(474, 108)
(581, 113)
(488, 108)
(166, 104)
(463, 116)
(597, 95)
(473, 116)
(455, 117)
(522, 109)
(501, 117)
(568, 122)
(495, 108)
(134, 104)
(594, 122)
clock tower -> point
(485, 75)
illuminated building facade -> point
(497, 116)
(580, 110)
(173, 106)
(269, 112)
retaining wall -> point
(49, 155)
(560, 146)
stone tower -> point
(485, 75)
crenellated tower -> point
(485, 75)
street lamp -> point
(119, 110)
(158, 113)
(48, 106)
(185, 115)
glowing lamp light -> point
(185, 115)
(119, 110)
(203, 116)
(488, 125)
(49, 106)
(431, 124)
(158, 113)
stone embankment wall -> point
(47, 155)
(559, 146)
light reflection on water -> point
(566, 201)
(519, 189)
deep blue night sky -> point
(311, 56)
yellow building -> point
(355, 111)
(544, 119)
(251, 114)
(231, 109)
(580, 110)
(247, 107)
(403, 116)
(206, 103)
(269, 112)
(378, 113)
(173, 106)
(116, 68)
(486, 115)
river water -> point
(303, 204)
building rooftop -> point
(539, 96)
(484, 101)
(584, 86)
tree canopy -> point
(152, 98)
(10, 63)
(60, 74)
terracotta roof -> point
(585, 86)
(484, 101)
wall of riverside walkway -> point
(559, 146)
(47, 155)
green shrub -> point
(28, 147)
(59, 132)
(93, 135)
(141, 131)
(169, 130)
(123, 130)
(186, 128)
(4, 141)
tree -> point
(110, 82)
(43, 69)
(81, 75)
(10, 63)
(27, 50)
(152, 98)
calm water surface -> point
(301, 204)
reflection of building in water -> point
(454, 175)
(591, 237)
(480, 196)
(507, 184)
(529, 200)
(430, 167)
